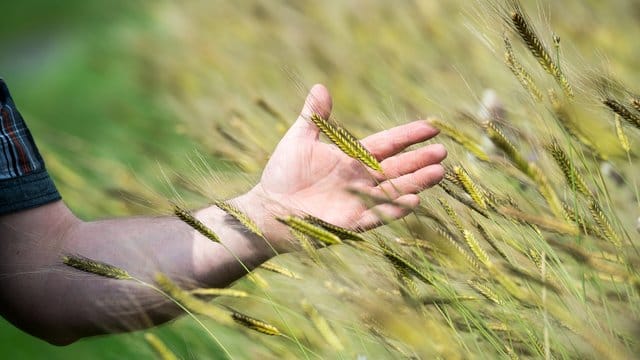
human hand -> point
(307, 176)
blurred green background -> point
(61, 62)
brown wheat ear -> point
(539, 50)
(95, 267)
(255, 324)
(624, 112)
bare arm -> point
(60, 305)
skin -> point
(49, 300)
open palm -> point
(307, 176)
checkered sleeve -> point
(24, 181)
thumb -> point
(318, 102)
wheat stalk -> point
(489, 238)
(544, 222)
(163, 352)
(565, 121)
(323, 327)
(459, 137)
(529, 277)
(547, 192)
(190, 302)
(219, 292)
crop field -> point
(527, 249)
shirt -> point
(24, 180)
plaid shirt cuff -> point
(24, 181)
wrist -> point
(263, 210)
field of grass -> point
(491, 265)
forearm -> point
(73, 304)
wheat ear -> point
(500, 140)
(470, 187)
(539, 50)
(196, 224)
(161, 350)
(464, 253)
(241, 217)
(572, 177)
(603, 223)
(457, 222)
(255, 324)
(490, 239)
(462, 199)
(306, 245)
(580, 222)
(346, 142)
(622, 137)
(439, 300)
(95, 267)
(476, 249)
(398, 261)
(310, 230)
(409, 289)
(618, 108)
(339, 231)
(485, 291)
(531, 170)
(523, 76)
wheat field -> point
(527, 249)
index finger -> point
(390, 142)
